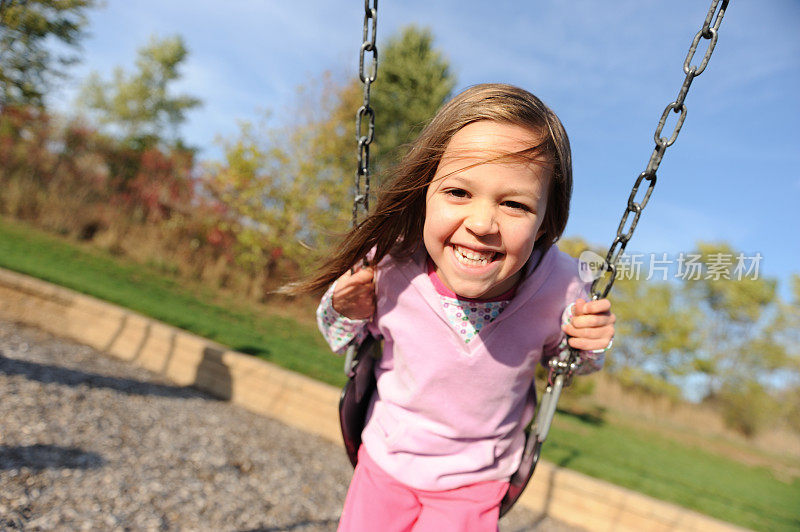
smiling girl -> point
(468, 291)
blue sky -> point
(608, 69)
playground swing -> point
(360, 360)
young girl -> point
(468, 292)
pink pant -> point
(376, 501)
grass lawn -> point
(667, 468)
(145, 290)
(612, 449)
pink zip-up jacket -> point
(448, 414)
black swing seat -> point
(356, 395)
(354, 403)
(520, 479)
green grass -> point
(145, 290)
(668, 469)
(636, 458)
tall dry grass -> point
(701, 424)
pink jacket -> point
(448, 414)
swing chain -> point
(709, 31)
(562, 365)
(361, 187)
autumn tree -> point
(139, 106)
(29, 64)
(286, 187)
(289, 185)
(149, 167)
(656, 334)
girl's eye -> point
(517, 206)
(457, 192)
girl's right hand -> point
(354, 295)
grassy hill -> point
(727, 479)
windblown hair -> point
(395, 226)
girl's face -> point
(481, 222)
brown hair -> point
(395, 226)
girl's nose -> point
(481, 220)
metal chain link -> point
(361, 188)
(566, 363)
(361, 185)
(563, 367)
(709, 31)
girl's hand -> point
(354, 295)
(592, 325)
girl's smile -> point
(470, 257)
(483, 216)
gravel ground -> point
(88, 442)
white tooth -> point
(470, 257)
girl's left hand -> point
(592, 325)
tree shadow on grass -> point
(254, 350)
(594, 417)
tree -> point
(736, 311)
(289, 187)
(28, 65)
(139, 105)
(746, 404)
(286, 187)
(785, 329)
(724, 326)
(656, 335)
(414, 80)
(746, 348)
(660, 333)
